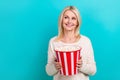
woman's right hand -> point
(57, 64)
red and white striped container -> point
(68, 61)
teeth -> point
(69, 24)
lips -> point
(69, 24)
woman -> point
(69, 35)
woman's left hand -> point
(79, 63)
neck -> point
(69, 36)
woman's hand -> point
(57, 64)
(79, 63)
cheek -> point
(75, 22)
(64, 20)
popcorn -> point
(68, 48)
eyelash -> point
(73, 18)
(65, 17)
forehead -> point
(69, 13)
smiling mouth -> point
(69, 25)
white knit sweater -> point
(88, 66)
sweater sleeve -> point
(50, 68)
(87, 54)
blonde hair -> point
(60, 27)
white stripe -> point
(77, 61)
(60, 62)
(72, 63)
(65, 61)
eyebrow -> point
(68, 16)
(65, 15)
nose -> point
(69, 20)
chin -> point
(69, 29)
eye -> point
(66, 17)
(73, 18)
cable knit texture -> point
(87, 54)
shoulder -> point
(52, 39)
(85, 41)
(85, 38)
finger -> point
(80, 60)
(80, 57)
(58, 67)
(79, 66)
(57, 64)
(79, 63)
(55, 60)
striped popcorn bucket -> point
(68, 61)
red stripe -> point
(75, 60)
(68, 54)
(79, 55)
(58, 60)
(57, 56)
(63, 64)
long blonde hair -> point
(60, 27)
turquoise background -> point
(27, 25)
